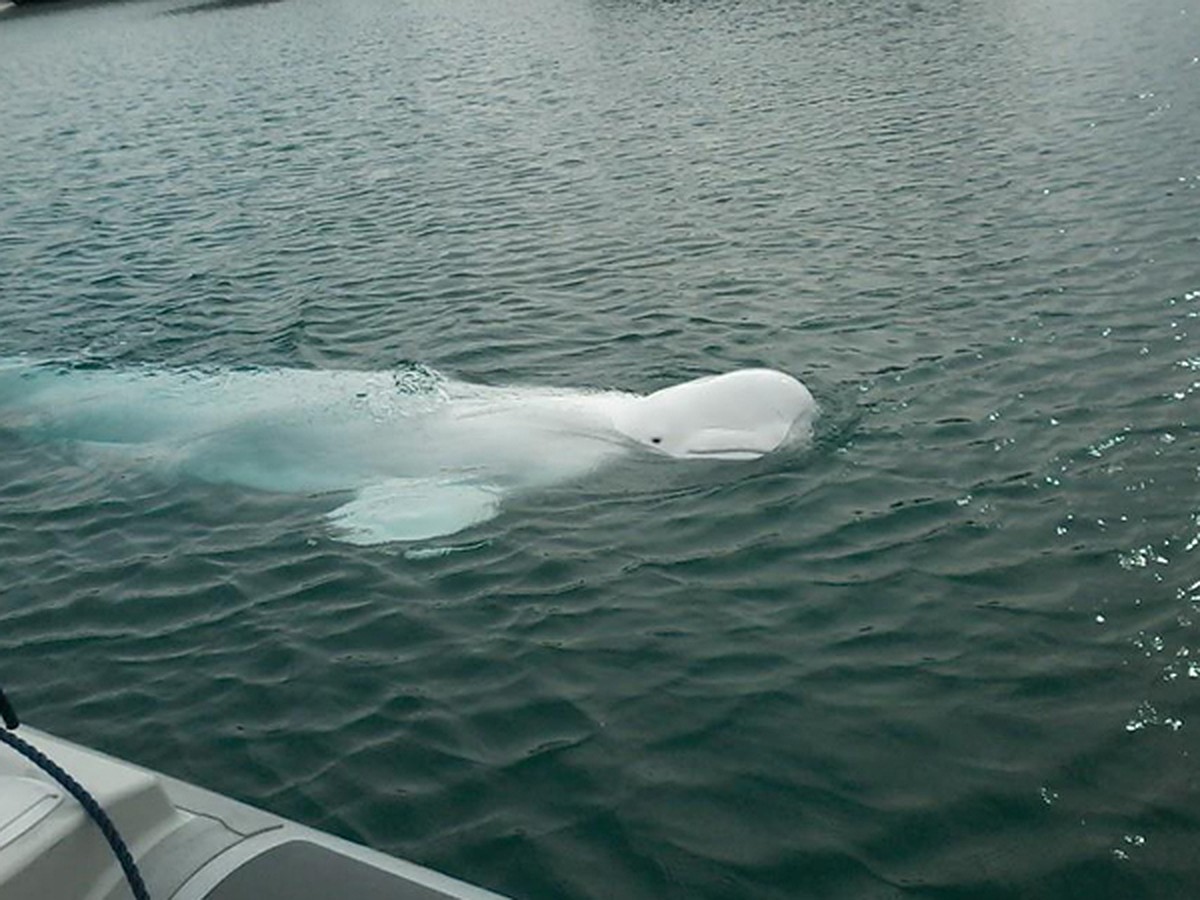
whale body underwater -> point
(424, 455)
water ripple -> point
(949, 649)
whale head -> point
(739, 415)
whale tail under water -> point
(424, 455)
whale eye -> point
(656, 440)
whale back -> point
(739, 415)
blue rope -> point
(76, 790)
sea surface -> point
(949, 649)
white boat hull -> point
(189, 843)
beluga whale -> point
(421, 455)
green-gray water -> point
(949, 650)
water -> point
(949, 650)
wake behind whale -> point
(425, 455)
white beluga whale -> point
(423, 455)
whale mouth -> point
(734, 453)
(737, 444)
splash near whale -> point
(423, 455)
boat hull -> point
(189, 843)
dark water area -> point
(949, 650)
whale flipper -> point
(413, 509)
